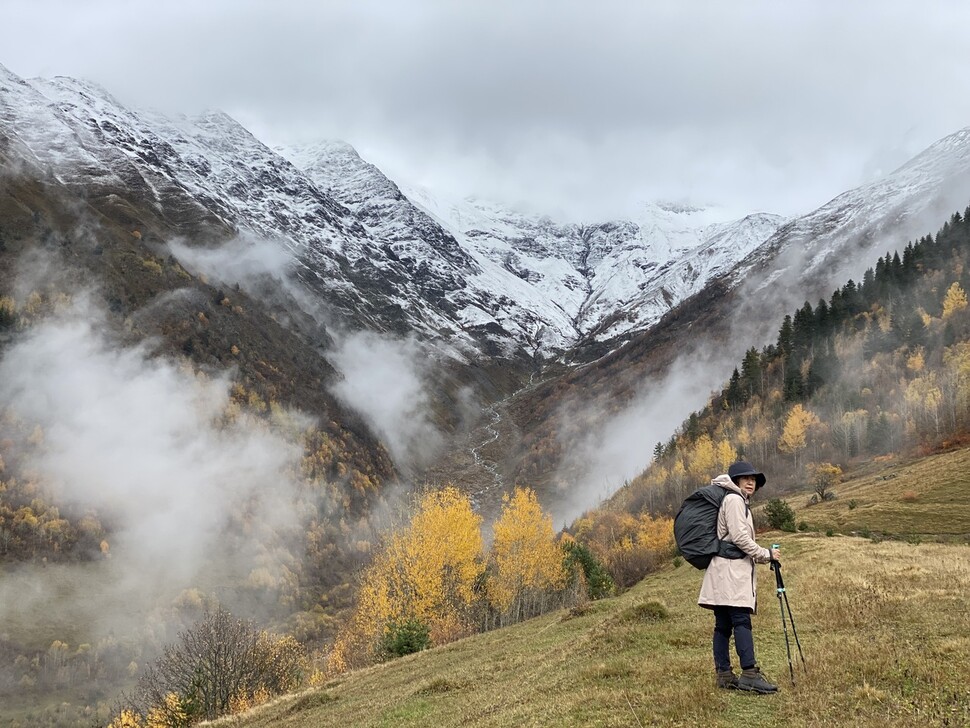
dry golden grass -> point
(884, 625)
(926, 497)
(885, 628)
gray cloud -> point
(383, 378)
(568, 105)
(141, 442)
(599, 461)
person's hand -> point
(775, 555)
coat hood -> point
(724, 481)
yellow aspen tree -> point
(794, 436)
(954, 300)
(916, 361)
(702, 459)
(126, 719)
(678, 474)
(426, 572)
(956, 360)
(724, 455)
(629, 546)
(761, 436)
(924, 397)
(743, 436)
(656, 534)
(527, 563)
(172, 713)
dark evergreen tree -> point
(869, 292)
(793, 389)
(803, 330)
(785, 337)
(751, 374)
(693, 429)
(734, 394)
(822, 318)
(851, 298)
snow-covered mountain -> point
(471, 275)
(809, 255)
(549, 284)
(468, 273)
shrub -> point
(405, 638)
(678, 562)
(780, 515)
(853, 504)
(216, 664)
(823, 477)
(830, 533)
(599, 583)
(803, 526)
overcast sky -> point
(590, 107)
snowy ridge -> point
(549, 284)
(471, 276)
(845, 236)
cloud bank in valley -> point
(598, 462)
(140, 442)
(383, 378)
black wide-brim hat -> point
(742, 468)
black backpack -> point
(695, 527)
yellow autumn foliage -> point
(954, 300)
(701, 459)
(427, 571)
(794, 435)
(629, 546)
(126, 719)
(170, 715)
(526, 560)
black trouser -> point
(738, 620)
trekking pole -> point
(791, 618)
(775, 566)
(780, 586)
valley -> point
(228, 371)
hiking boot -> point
(754, 681)
(727, 679)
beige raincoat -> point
(733, 582)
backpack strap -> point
(726, 549)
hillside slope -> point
(883, 625)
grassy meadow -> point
(884, 626)
(927, 497)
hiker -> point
(730, 584)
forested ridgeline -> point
(880, 369)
